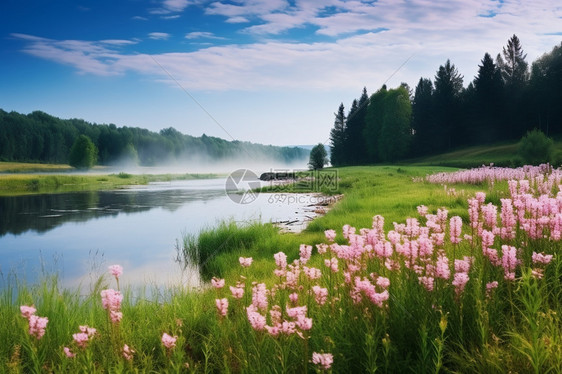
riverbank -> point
(14, 184)
(385, 281)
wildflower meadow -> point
(474, 292)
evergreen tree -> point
(373, 124)
(514, 73)
(488, 103)
(356, 147)
(546, 84)
(447, 100)
(513, 65)
(422, 118)
(338, 138)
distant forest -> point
(40, 137)
(504, 101)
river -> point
(77, 235)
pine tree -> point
(488, 103)
(447, 95)
(513, 65)
(338, 138)
(422, 118)
(356, 147)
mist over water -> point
(205, 165)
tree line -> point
(40, 137)
(503, 102)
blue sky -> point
(267, 71)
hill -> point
(40, 137)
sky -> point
(265, 71)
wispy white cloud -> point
(171, 6)
(159, 35)
(203, 35)
(368, 42)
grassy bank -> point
(21, 184)
(388, 298)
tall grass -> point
(366, 324)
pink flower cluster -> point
(245, 261)
(168, 341)
(324, 361)
(111, 299)
(37, 325)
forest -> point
(503, 102)
(40, 137)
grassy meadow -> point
(390, 280)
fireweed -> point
(362, 290)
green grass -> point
(22, 184)
(500, 154)
(517, 329)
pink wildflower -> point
(237, 292)
(312, 273)
(27, 311)
(81, 339)
(383, 282)
(115, 316)
(111, 299)
(128, 352)
(245, 261)
(217, 283)
(323, 360)
(257, 321)
(37, 326)
(427, 282)
(455, 229)
(169, 341)
(509, 261)
(259, 296)
(320, 294)
(442, 267)
(280, 260)
(116, 270)
(90, 331)
(294, 297)
(332, 264)
(304, 323)
(322, 248)
(541, 258)
(422, 210)
(330, 235)
(459, 281)
(305, 253)
(490, 287)
(222, 306)
(297, 311)
(68, 352)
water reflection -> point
(77, 235)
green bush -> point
(535, 148)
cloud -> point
(362, 43)
(172, 6)
(202, 34)
(159, 35)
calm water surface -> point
(77, 235)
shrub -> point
(535, 148)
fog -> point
(202, 164)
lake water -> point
(77, 235)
